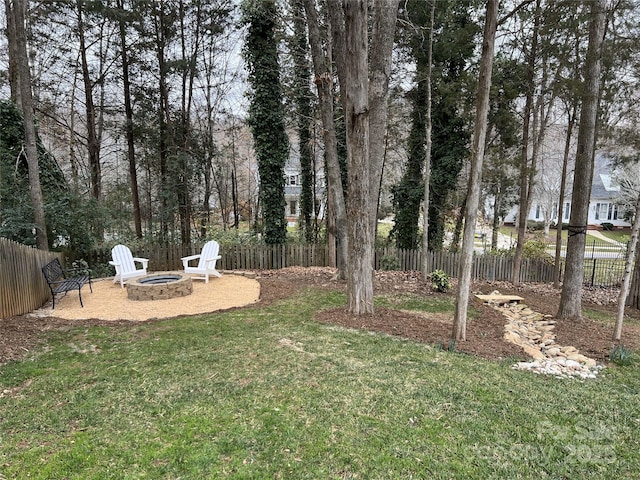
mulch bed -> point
(19, 335)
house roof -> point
(604, 186)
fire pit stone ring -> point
(159, 287)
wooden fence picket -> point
(22, 286)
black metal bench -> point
(59, 282)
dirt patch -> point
(21, 334)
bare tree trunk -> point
(360, 267)
(93, 144)
(13, 67)
(495, 224)
(539, 129)
(633, 299)
(166, 143)
(187, 83)
(524, 161)
(22, 62)
(563, 186)
(234, 196)
(628, 269)
(459, 331)
(385, 13)
(571, 297)
(457, 230)
(75, 179)
(332, 250)
(337, 225)
(128, 112)
(427, 151)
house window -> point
(613, 212)
(293, 179)
(293, 207)
(566, 210)
(537, 212)
(602, 210)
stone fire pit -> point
(159, 287)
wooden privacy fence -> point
(22, 285)
(23, 289)
(234, 257)
(268, 257)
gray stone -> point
(533, 332)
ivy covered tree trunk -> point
(266, 115)
(304, 114)
(413, 189)
(453, 48)
(408, 194)
(166, 143)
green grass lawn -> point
(268, 393)
(618, 236)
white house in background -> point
(293, 192)
(605, 205)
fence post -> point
(593, 272)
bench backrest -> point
(53, 271)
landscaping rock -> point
(533, 332)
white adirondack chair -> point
(125, 264)
(206, 262)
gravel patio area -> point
(109, 301)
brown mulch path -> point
(19, 335)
